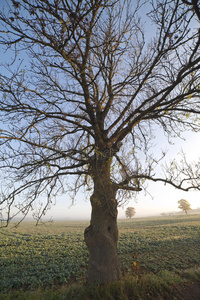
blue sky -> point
(160, 199)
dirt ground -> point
(188, 292)
(191, 292)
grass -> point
(165, 284)
(158, 256)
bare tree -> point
(85, 102)
(130, 212)
(184, 205)
(194, 5)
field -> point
(54, 254)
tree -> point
(184, 205)
(130, 212)
(194, 5)
(84, 103)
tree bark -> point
(102, 235)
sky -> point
(161, 198)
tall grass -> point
(165, 285)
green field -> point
(55, 253)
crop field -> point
(55, 253)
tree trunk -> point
(102, 235)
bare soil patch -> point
(191, 292)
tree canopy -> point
(194, 4)
(184, 205)
(91, 83)
(130, 212)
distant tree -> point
(130, 212)
(163, 214)
(184, 205)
